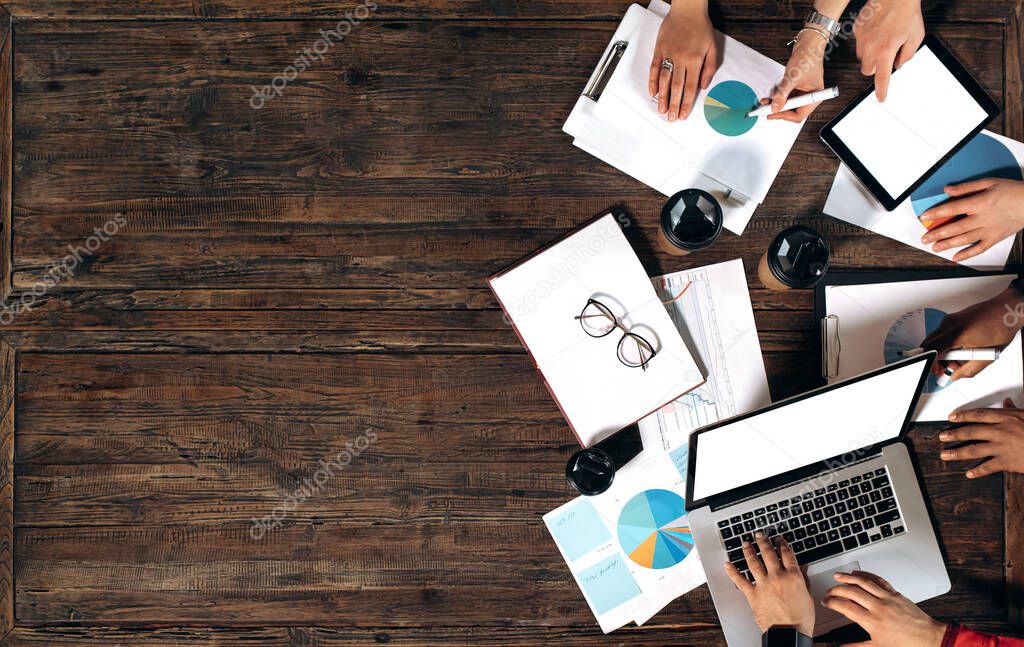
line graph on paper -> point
(716, 320)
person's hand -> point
(998, 436)
(889, 618)
(888, 34)
(805, 72)
(779, 594)
(687, 39)
(994, 210)
(991, 323)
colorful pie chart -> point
(982, 157)
(726, 106)
(907, 332)
(653, 529)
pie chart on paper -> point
(907, 332)
(726, 106)
(982, 157)
(653, 529)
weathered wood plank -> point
(778, 10)
(352, 192)
(8, 371)
(1014, 491)
(6, 149)
(148, 470)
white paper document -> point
(877, 321)
(544, 295)
(743, 153)
(717, 148)
(986, 155)
(630, 549)
(716, 320)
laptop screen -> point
(808, 430)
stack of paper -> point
(717, 148)
(630, 549)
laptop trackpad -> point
(820, 583)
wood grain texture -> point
(1014, 492)
(139, 475)
(289, 279)
(778, 10)
(368, 168)
(6, 149)
(8, 376)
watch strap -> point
(821, 21)
(785, 637)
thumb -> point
(781, 94)
(866, 643)
(969, 369)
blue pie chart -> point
(726, 106)
(907, 332)
(982, 157)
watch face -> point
(781, 637)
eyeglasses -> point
(597, 320)
(633, 350)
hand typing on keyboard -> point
(778, 595)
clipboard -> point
(630, 146)
(830, 326)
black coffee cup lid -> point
(590, 471)
(799, 256)
(692, 219)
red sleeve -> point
(960, 636)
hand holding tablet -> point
(893, 147)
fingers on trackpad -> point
(821, 582)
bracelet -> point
(796, 38)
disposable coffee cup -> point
(691, 220)
(590, 471)
(796, 260)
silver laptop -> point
(828, 470)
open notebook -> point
(542, 296)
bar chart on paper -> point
(716, 320)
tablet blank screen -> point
(925, 115)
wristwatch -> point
(785, 637)
(822, 22)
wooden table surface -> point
(277, 286)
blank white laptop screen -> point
(926, 113)
(845, 419)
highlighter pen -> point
(798, 102)
(960, 355)
(944, 380)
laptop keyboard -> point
(841, 516)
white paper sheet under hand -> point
(850, 201)
(748, 162)
(877, 320)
